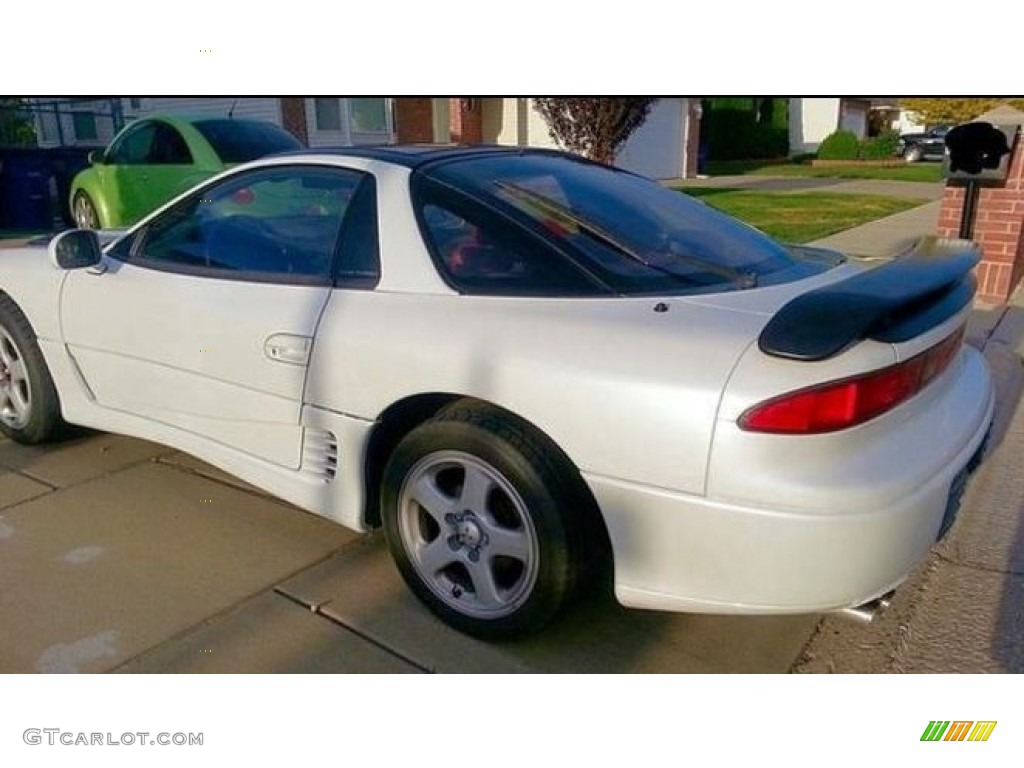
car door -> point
(935, 144)
(204, 319)
(166, 170)
(127, 160)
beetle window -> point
(133, 148)
(239, 141)
(280, 224)
(168, 147)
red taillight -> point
(846, 403)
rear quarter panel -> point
(862, 468)
(626, 392)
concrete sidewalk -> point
(887, 237)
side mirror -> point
(96, 157)
(75, 249)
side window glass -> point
(279, 224)
(134, 148)
(168, 147)
(359, 256)
(482, 253)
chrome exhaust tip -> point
(866, 612)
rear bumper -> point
(809, 551)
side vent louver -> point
(320, 454)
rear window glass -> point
(239, 141)
(636, 235)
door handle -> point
(288, 348)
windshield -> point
(634, 234)
(239, 141)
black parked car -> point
(930, 145)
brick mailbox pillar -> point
(999, 220)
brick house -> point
(665, 146)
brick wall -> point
(293, 116)
(467, 121)
(414, 121)
(998, 229)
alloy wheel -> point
(468, 534)
(15, 392)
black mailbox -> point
(978, 151)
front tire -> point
(29, 408)
(84, 212)
(913, 154)
(478, 512)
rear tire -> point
(482, 519)
(84, 212)
(29, 407)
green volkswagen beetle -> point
(157, 158)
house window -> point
(369, 116)
(48, 127)
(328, 114)
(85, 126)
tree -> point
(15, 124)
(594, 127)
(951, 111)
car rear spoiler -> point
(891, 303)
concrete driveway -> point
(122, 555)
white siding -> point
(345, 136)
(906, 123)
(49, 135)
(441, 121)
(536, 128)
(248, 108)
(810, 121)
(657, 148)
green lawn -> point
(913, 172)
(801, 216)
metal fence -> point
(50, 122)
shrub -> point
(840, 145)
(735, 134)
(881, 147)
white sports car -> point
(522, 365)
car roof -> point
(418, 155)
(178, 118)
